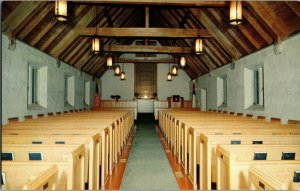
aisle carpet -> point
(148, 167)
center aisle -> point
(147, 167)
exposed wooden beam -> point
(18, 15)
(36, 20)
(219, 54)
(146, 32)
(184, 19)
(148, 49)
(147, 18)
(162, 2)
(108, 17)
(218, 34)
(42, 33)
(294, 6)
(257, 26)
(31, 16)
(123, 21)
(146, 60)
(230, 33)
(83, 22)
(268, 21)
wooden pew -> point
(105, 156)
(120, 126)
(233, 162)
(29, 176)
(205, 160)
(185, 138)
(71, 155)
(188, 140)
(92, 150)
(273, 176)
(176, 131)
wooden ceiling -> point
(264, 23)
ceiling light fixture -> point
(235, 16)
(61, 10)
(117, 70)
(169, 75)
(182, 62)
(199, 40)
(96, 40)
(109, 61)
(122, 75)
(174, 69)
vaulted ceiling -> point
(264, 23)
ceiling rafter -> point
(264, 23)
(108, 17)
(57, 28)
(218, 34)
(263, 15)
(86, 45)
(193, 65)
(63, 30)
(71, 49)
(204, 57)
(161, 2)
(72, 34)
(124, 22)
(243, 30)
(219, 54)
(294, 6)
(257, 26)
(18, 15)
(229, 31)
(28, 18)
(136, 18)
(36, 20)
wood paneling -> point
(145, 79)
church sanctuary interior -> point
(150, 95)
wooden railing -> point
(120, 104)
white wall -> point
(180, 85)
(281, 82)
(15, 78)
(112, 85)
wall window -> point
(258, 86)
(87, 88)
(37, 87)
(69, 90)
(254, 87)
(222, 91)
(32, 85)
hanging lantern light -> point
(174, 70)
(96, 45)
(182, 61)
(169, 77)
(96, 40)
(117, 70)
(235, 16)
(123, 77)
(61, 10)
(199, 46)
(199, 41)
(109, 61)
